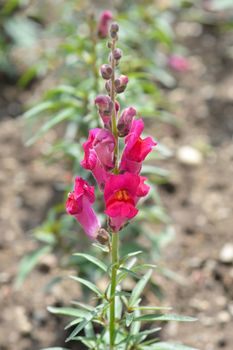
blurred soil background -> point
(198, 197)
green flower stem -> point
(113, 289)
(115, 238)
(114, 117)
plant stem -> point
(113, 289)
(114, 117)
(115, 238)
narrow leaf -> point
(67, 311)
(63, 115)
(41, 107)
(28, 263)
(94, 260)
(167, 317)
(167, 346)
(129, 318)
(138, 289)
(88, 284)
(55, 348)
(81, 325)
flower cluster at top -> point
(118, 177)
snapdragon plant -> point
(118, 318)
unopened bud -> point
(106, 71)
(117, 54)
(104, 104)
(114, 27)
(125, 121)
(121, 83)
(102, 236)
(117, 82)
(113, 31)
(103, 24)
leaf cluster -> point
(133, 320)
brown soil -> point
(199, 199)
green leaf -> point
(128, 256)
(148, 308)
(104, 248)
(89, 342)
(166, 317)
(84, 306)
(138, 289)
(167, 346)
(39, 108)
(28, 263)
(81, 325)
(88, 284)
(63, 115)
(143, 266)
(94, 260)
(56, 348)
(67, 311)
(129, 318)
(129, 272)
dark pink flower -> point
(125, 121)
(99, 154)
(178, 63)
(121, 194)
(136, 148)
(79, 205)
(104, 144)
(103, 25)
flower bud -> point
(113, 31)
(125, 121)
(103, 24)
(121, 83)
(114, 28)
(117, 54)
(104, 104)
(106, 71)
(102, 236)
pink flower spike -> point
(125, 121)
(79, 204)
(103, 25)
(178, 63)
(121, 194)
(136, 148)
